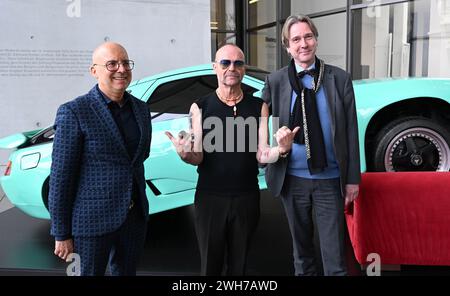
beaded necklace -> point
(235, 101)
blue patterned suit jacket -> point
(92, 175)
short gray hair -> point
(294, 19)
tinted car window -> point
(43, 136)
(176, 97)
(256, 72)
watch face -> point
(283, 155)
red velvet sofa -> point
(404, 217)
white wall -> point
(309, 7)
(46, 46)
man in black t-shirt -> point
(227, 194)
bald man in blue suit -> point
(97, 199)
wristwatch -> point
(282, 154)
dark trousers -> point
(225, 224)
(303, 197)
(121, 248)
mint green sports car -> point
(403, 126)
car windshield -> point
(256, 73)
(174, 98)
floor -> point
(26, 248)
(171, 248)
(5, 204)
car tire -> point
(412, 144)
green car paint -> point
(12, 141)
(27, 184)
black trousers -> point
(225, 224)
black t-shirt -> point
(229, 145)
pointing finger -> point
(169, 135)
(296, 129)
(172, 139)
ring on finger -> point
(182, 134)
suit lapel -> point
(285, 100)
(105, 116)
(330, 92)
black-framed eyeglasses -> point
(227, 63)
(113, 66)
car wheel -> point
(412, 144)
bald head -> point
(104, 49)
(229, 48)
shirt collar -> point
(299, 69)
(108, 101)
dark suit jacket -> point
(341, 103)
(92, 175)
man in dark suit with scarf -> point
(97, 199)
(320, 171)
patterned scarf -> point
(305, 115)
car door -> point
(171, 182)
